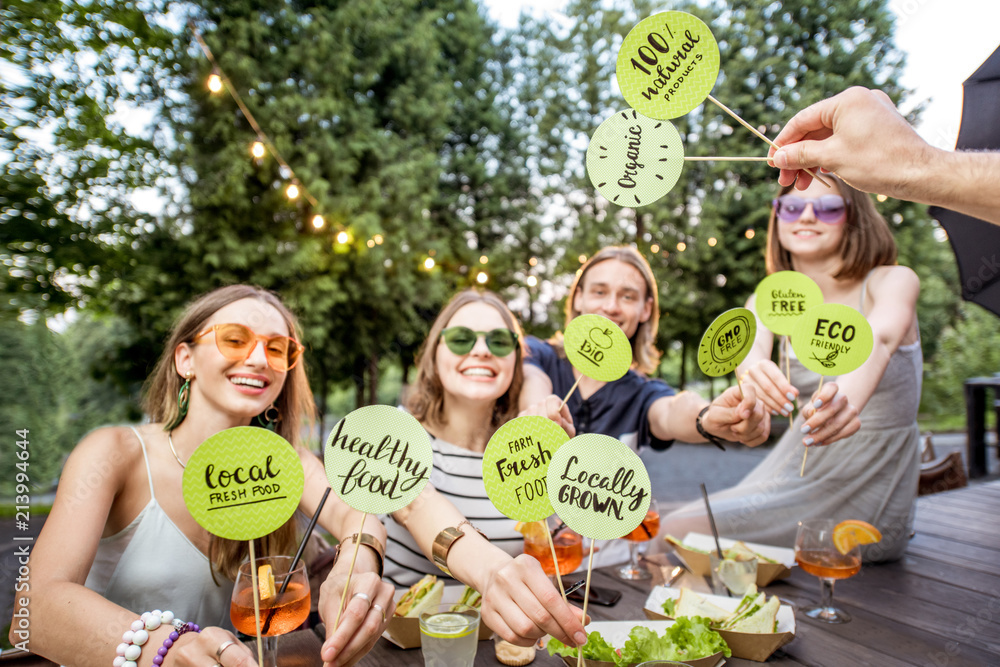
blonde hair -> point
(645, 356)
(425, 401)
(295, 404)
(867, 240)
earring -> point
(269, 418)
(183, 396)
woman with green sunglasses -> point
(468, 383)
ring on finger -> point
(222, 647)
(380, 610)
(363, 596)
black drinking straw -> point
(711, 520)
(295, 561)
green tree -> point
(72, 72)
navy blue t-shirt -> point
(619, 409)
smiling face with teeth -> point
(238, 389)
(478, 375)
(808, 238)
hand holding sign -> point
(515, 465)
(832, 339)
(241, 484)
(598, 348)
(378, 460)
(601, 489)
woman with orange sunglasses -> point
(120, 541)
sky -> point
(945, 41)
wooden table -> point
(939, 606)
(975, 420)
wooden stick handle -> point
(256, 603)
(555, 563)
(586, 597)
(350, 570)
(570, 393)
(802, 470)
(753, 129)
(724, 158)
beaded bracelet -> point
(128, 652)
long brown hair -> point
(867, 240)
(645, 356)
(425, 400)
(295, 404)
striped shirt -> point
(458, 476)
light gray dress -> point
(871, 475)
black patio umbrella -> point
(976, 243)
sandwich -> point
(421, 596)
(470, 598)
(755, 614)
(741, 552)
(691, 604)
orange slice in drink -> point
(265, 582)
(849, 534)
(532, 530)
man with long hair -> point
(618, 284)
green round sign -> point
(832, 339)
(597, 347)
(727, 341)
(668, 64)
(378, 459)
(515, 463)
(599, 486)
(243, 483)
(783, 297)
(633, 160)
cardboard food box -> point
(405, 632)
(698, 563)
(616, 633)
(746, 645)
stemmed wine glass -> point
(816, 554)
(646, 531)
(568, 547)
(280, 613)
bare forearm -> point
(673, 418)
(471, 559)
(964, 181)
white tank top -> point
(151, 564)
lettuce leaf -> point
(669, 607)
(596, 648)
(686, 639)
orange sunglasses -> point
(237, 342)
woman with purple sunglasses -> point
(838, 239)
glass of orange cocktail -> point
(816, 554)
(568, 547)
(644, 532)
(280, 611)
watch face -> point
(634, 160)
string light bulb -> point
(681, 247)
(342, 237)
(429, 263)
(214, 82)
(654, 248)
(257, 149)
(881, 198)
(483, 259)
(370, 243)
(533, 261)
(532, 281)
(318, 222)
(712, 241)
(481, 278)
(582, 258)
(378, 239)
(292, 191)
(750, 233)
